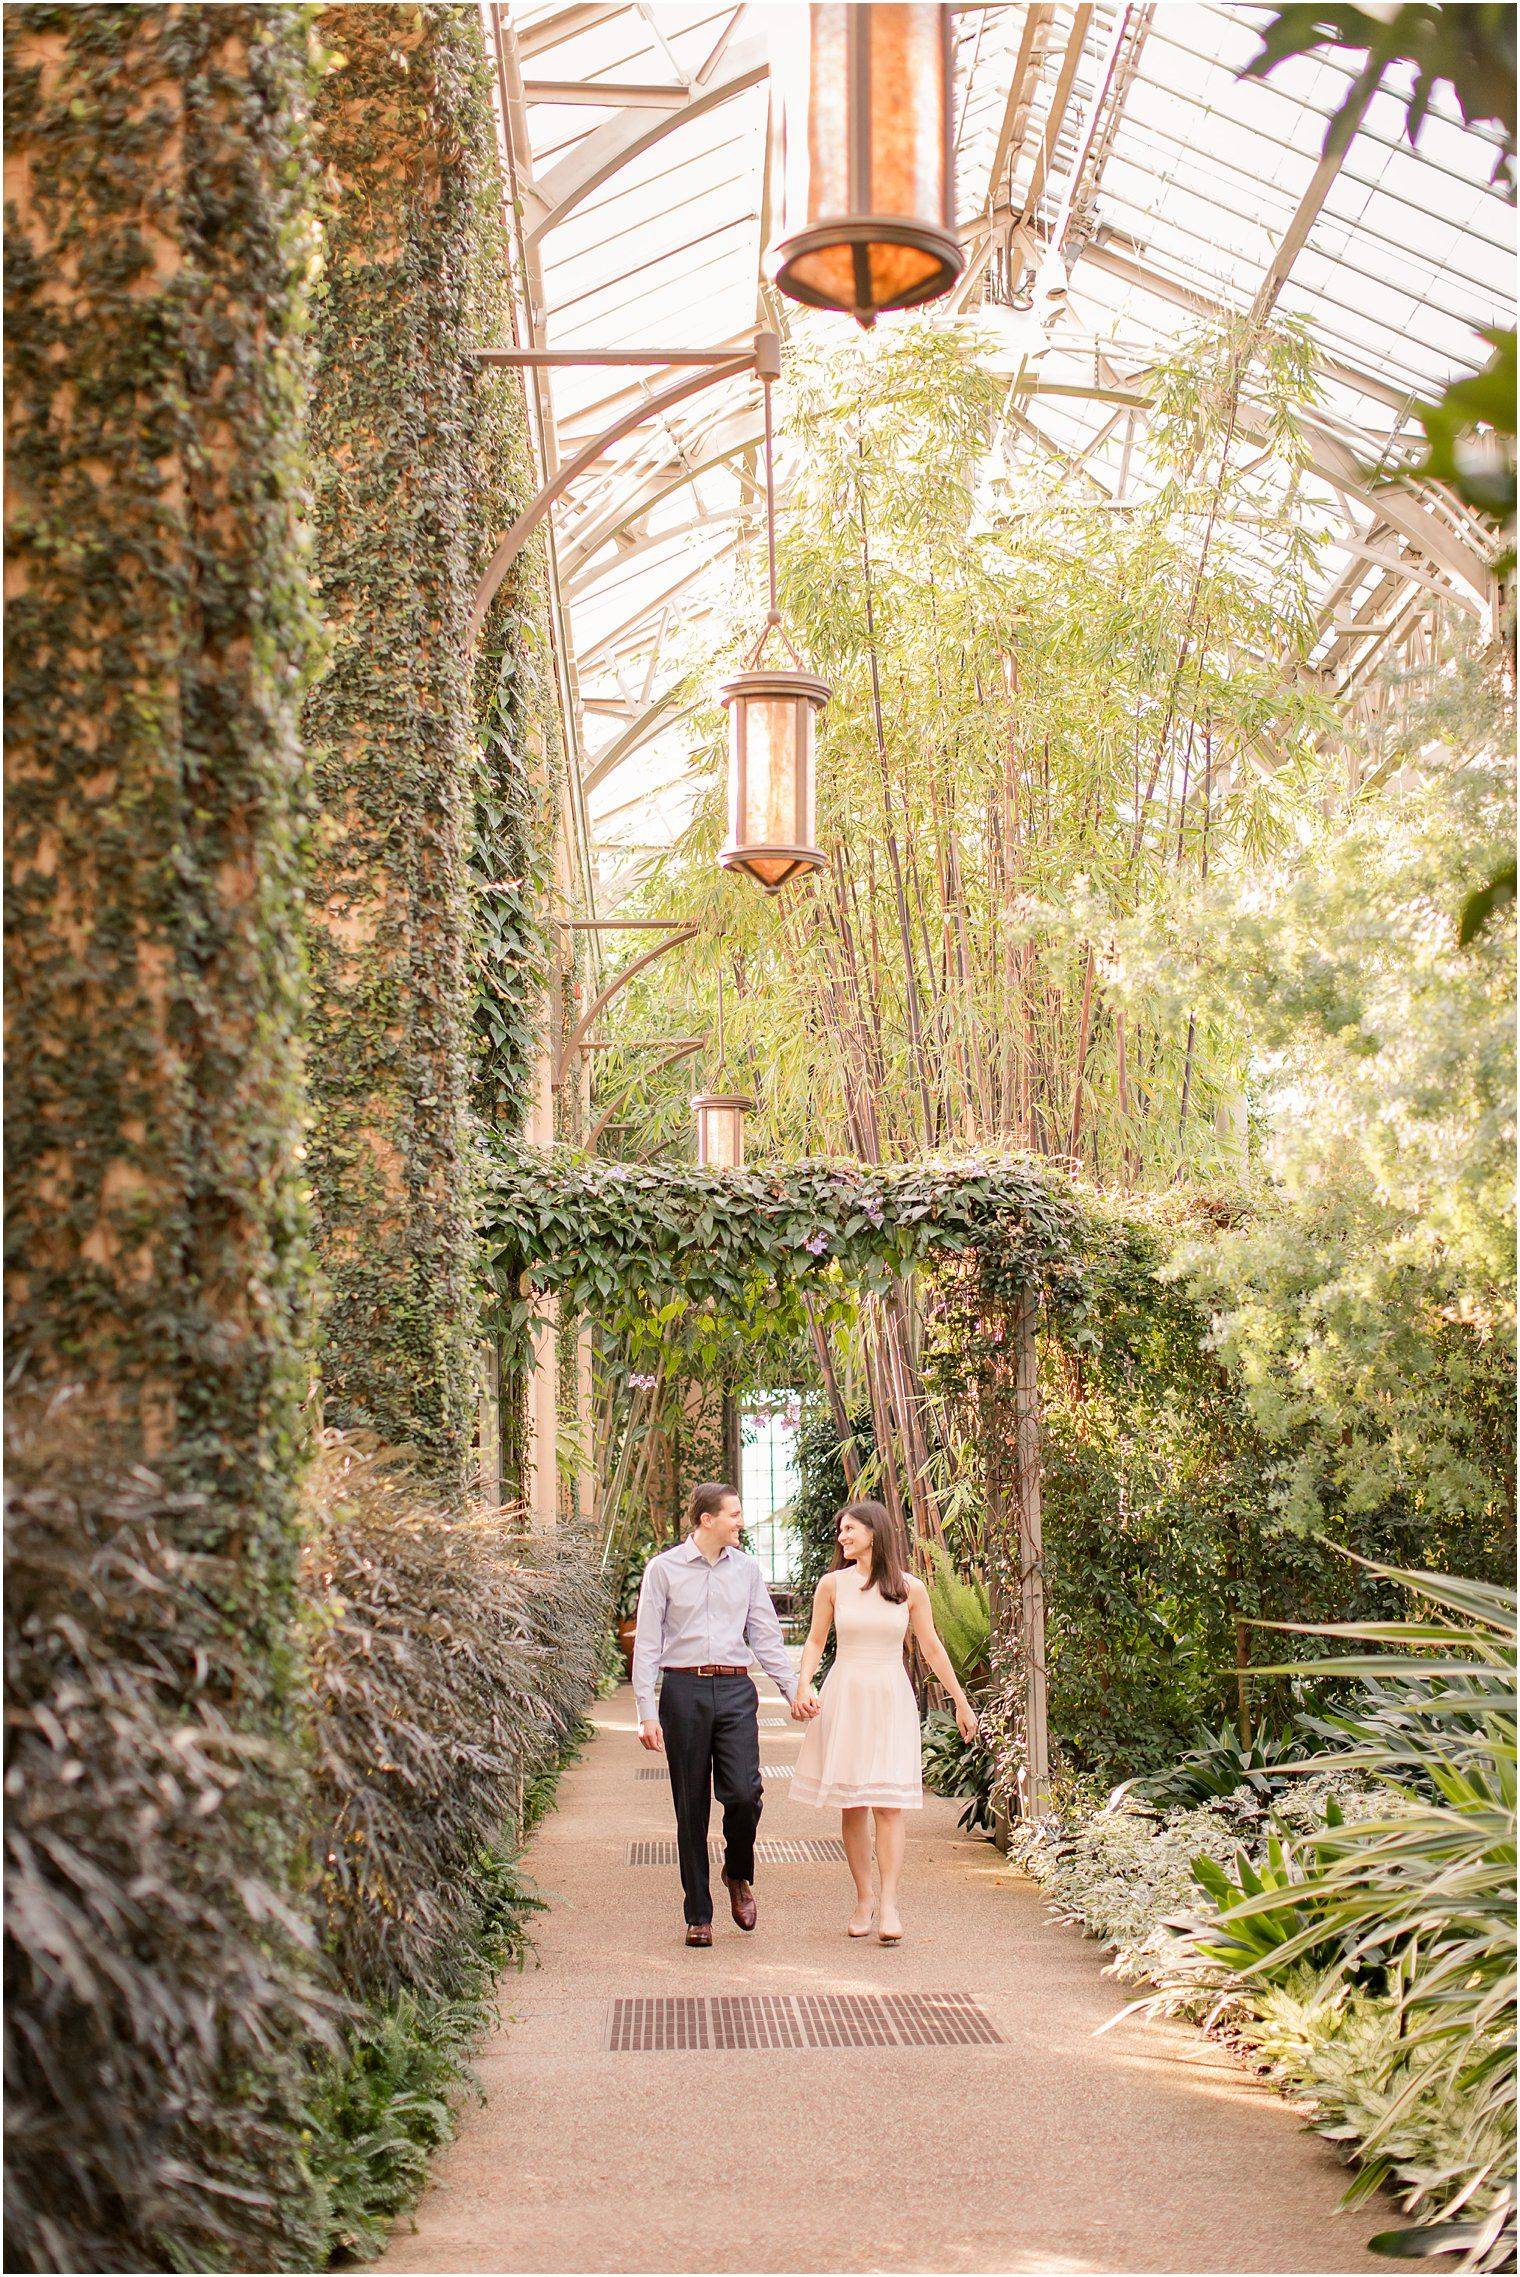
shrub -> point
(451, 1661)
(195, 2078)
(962, 1616)
(1427, 1887)
(163, 1994)
(1220, 1763)
(376, 2116)
(959, 1768)
(451, 1658)
(1359, 1926)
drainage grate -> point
(754, 2020)
(669, 2023)
(939, 2020)
(768, 1853)
(640, 2027)
(767, 1771)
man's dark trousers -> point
(712, 1744)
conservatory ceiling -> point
(1116, 180)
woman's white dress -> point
(864, 1746)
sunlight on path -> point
(1055, 2151)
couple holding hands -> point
(703, 1609)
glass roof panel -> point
(1117, 142)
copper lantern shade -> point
(867, 184)
(771, 825)
(720, 1129)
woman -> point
(862, 1751)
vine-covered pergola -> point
(662, 1256)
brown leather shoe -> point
(742, 1899)
(699, 1933)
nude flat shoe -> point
(889, 1936)
(870, 1925)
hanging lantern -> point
(867, 183)
(720, 1129)
(772, 807)
(771, 799)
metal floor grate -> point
(668, 2023)
(767, 1771)
(828, 1852)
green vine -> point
(654, 1252)
(513, 869)
(159, 631)
(159, 255)
(421, 462)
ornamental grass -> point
(1354, 1927)
(250, 1937)
(450, 1658)
(164, 1994)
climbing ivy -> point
(158, 263)
(512, 861)
(655, 1252)
(421, 462)
(159, 628)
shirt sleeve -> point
(648, 1639)
(762, 1633)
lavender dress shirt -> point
(692, 1612)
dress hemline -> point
(852, 1798)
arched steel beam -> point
(664, 399)
(601, 651)
(614, 987)
(619, 139)
(662, 713)
(710, 447)
(634, 544)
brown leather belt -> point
(708, 1668)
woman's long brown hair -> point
(888, 1565)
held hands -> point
(651, 1736)
(966, 1721)
(806, 1705)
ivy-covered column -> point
(413, 450)
(157, 267)
(158, 258)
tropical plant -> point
(1365, 1303)
(1222, 1763)
(1077, 725)
(375, 2116)
(959, 1768)
(1426, 1890)
(164, 1995)
(962, 1615)
(449, 1664)
(1293, 1927)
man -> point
(703, 1608)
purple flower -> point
(642, 1383)
(817, 1243)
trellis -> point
(642, 1248)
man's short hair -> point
(705, 1499)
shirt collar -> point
(690, 1549)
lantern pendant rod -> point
(774, 618)
(773, 611)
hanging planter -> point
(720, 1119)
(866, 160)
